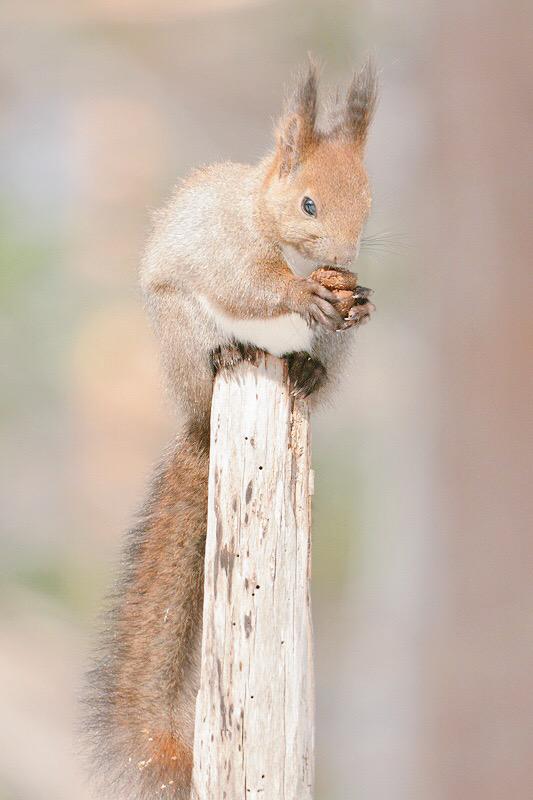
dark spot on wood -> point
(248, 495)
(227, 560)
(247, 624)
(221, 695)
(257, 587)
(260, 467)
(216, 560)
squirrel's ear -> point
(361, 102)
(296, 129)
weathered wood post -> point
(254, 736)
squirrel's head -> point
(317, 195)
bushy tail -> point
(142, 690)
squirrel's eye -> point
(309, 207)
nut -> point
(341, 282)
(333, 278)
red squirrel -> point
(226, 272)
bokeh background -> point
(423, 555)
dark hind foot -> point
(227, 356)
(306, 374)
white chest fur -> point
(286, 333)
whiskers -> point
(384, 243)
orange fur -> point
(219, 246)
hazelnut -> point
(341, 282)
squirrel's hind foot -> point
(227, 356)
(306, 374)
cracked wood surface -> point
(254, 732)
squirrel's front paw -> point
(229, 355)
(361, 308)
(352, 301)
(306, 374)
(316, 304)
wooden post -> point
(254, 732)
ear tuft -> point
(296, 130)
(304, 98)
(361, 102)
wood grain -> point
(254, 736)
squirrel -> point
(229, 269)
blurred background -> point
(423, 554)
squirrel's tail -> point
(143, 688)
